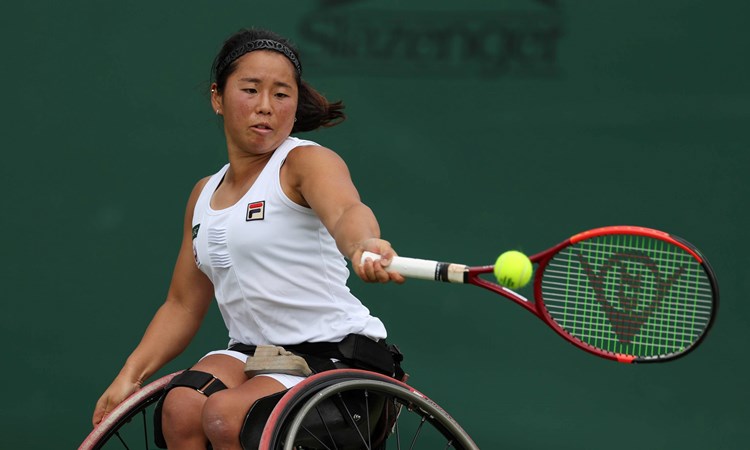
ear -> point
(217, 101)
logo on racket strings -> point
(635, 284)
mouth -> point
(262, 127)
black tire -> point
(372, 411)
(121, 428)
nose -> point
(264, 104)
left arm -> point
(318, 178)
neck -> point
(244, 168)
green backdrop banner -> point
(474, 127)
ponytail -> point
(315, 111)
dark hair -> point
(313, 109)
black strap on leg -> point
(203, 382)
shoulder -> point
(309, 167)
(313, 157)
(196, 192)
(200, 185)
(304, 150)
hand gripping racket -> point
(625, 293)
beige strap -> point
(273, 359)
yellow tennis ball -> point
(513, 269)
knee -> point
(181, 414)
(222, 419)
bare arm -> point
(173, 326)
(317, 177)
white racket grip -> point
(422, 269)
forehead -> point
(265, 64)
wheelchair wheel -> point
(351, 409)
(130, 424)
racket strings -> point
(633, 295)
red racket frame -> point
(537, 308)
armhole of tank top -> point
(280, 190)
(204, 199)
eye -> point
(250, 90)
(281, 95)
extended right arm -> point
(174, 325)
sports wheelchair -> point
(343, 409)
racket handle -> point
(423, 269)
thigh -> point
(228, 369)
(288, 381)
(185, 401)
(241, 392)
(234, 403)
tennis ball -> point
(513, 269)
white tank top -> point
(278, 276)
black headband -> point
(259, 44)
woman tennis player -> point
(266, 236)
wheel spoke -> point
(122, 425)
(318, 439)
(353, 422)
(145, 429)
(122, 441)
(389, 410)
(416, 434)
(367, 414)
(328, 430)
(396, 428)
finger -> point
(380, 273)
(359, 269)
(99, 414)
(397, 277)
(385, 259)
(369, 270)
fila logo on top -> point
(256, 210)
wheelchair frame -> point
(412, 420)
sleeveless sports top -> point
(278, 276)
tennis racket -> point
(625, 293)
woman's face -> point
(259, 102)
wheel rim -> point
(421, 424)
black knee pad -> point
(203, 382)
